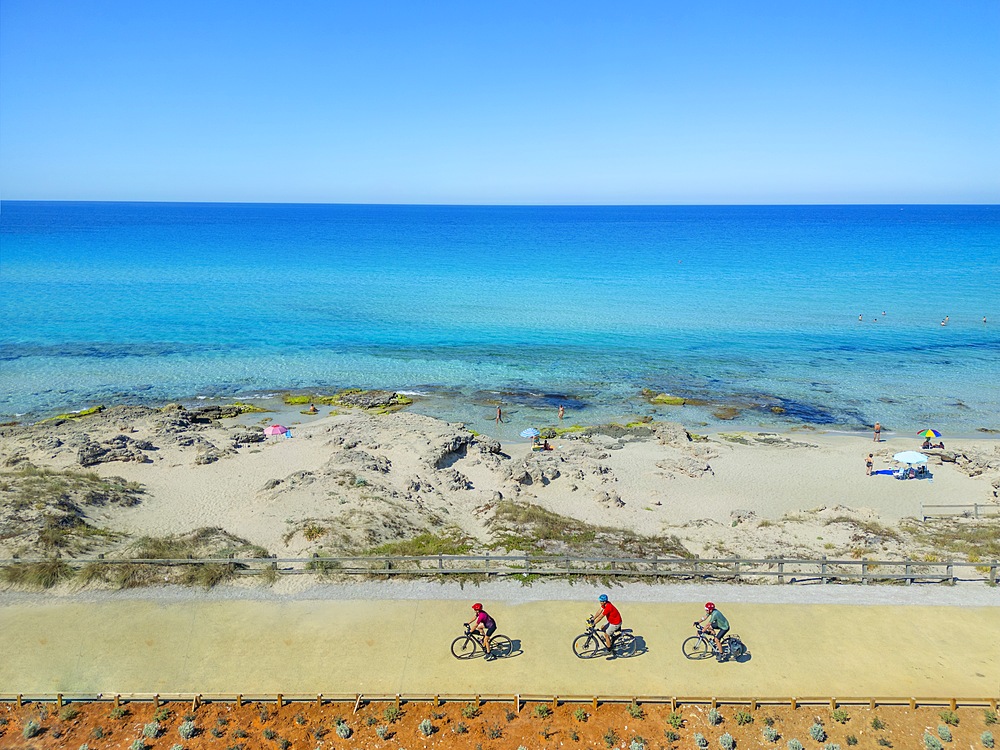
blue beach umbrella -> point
(530, 432)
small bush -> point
(580, 715)
(218, 732)
(574, 736)
(989, 717)
(382, 732)
(426, 728)
(794, 745)
(931, 742)
(817, 732)
(831, 746)
(877, 723)
(177, 747)
(883, 742)
(371, 721)
(460, 728)
(284, 743)
(269, 734)
(300, 719)
(726, 741)
(700, 741)
(392, 714)
(470, 711)
(137, 745)
(770, 734)
(840, 716)
(542, 711)
(944, 733)
(610, 738)
(152, 730)
(494, 732)
(851, 740)
(162, 714)
(84, 746)
(635, 711)
(675, 720)
(714, 717)
(68, 713)
(743, 718)
(671, 735)
(241, 733)
(637, 743)
(187, 730)
(511, 716)
(31, 729)
(950, 718)
(343, 731)
(118, 712)
(987, 739)
(97, 733)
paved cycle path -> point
(402, 646)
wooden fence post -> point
(280, 697)
(555, 702)
(397, 700)
(913, 702)
(156, 700)
(59, 700)
(517, 703)
(319, 700)
(673, 703)
(950, 572)
(864, 572)
(118, 700)
(595, 702)
(909, 573)
(239, 700)
(20, 700)
(871, 703)
(781, 569)
(822, 569)
(794, 703)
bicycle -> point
(591, 643)
(702, 646)
(470, 645)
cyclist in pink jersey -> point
(483, 623)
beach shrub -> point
(510, 715)
(877, 723)
(460, 728)
(580, 714)
(84, 746)
(931, 742)
(137, 745)
(950, 718)
(635, 711)
(637, 743)
(343, 731)
(671, 735)
(700, 741)
(392, 714)
(152, 730)
(883, 742)
(743, 718)
(382, 732)
(68, 713)
(817, 732)
(542, 711)
(426, 728)
(269, 734)
(97, 732)
(610, 738)
(794, 745)
(989, 717)
(162, 713)
(770, 734)
(675, 720)
(944, 733)
(840, 716)
(987, 739)
(494, 732)
(714, 717)
(177, 747)
(831, 746)
(187, 730)
(851, 740)
(726, 741)
(31, 729)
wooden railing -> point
(777, 569)
(518, 700)
(968, 510)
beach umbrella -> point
(530, 432)
(275, 429)
(928, 433)
(910, 457)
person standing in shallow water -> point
(878, 432)
(562, 411)
(499, 414)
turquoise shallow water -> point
(585, 306)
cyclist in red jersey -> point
(614, 619)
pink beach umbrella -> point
(275, 429)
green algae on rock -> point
(74, 414)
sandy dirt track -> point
(402, 646)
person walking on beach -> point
(499, 414)
(869, 464)
(878, 432)
(562, 409)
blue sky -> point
(555, 102)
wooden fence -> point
(778, 569)
(518, 701)
(969, 510)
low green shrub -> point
(743, 718)
(31, 729)
(817, 732)
(944, 733)
(989, 717)
(987, 739)
(635, 711)
(68, 713)
(580, 715)
(460, 728)
(187, 730)
(343, 731)
(542, 711)
(700, 741)
(851, 740)
(470, 711)
(931, 742)
(950, 718)
(877, 723)
(675, 720)
(770, 734)
(494, 732)
(118, 712)
(714, 717)
(382, 732)
(637, 743)
(269, 734)
(671, 735)
(426, 728)
(840, 716)
(137, 745)
(726, 741)
(392, 714)
(794, 745)
(152, 730)
(610, 738)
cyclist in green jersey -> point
(716, 625)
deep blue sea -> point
(750, 306)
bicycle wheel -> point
(500, 646)
(625, 645)
(696, 647)
(587, 645)
(464, 647)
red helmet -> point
(477, 606)
(709, 606)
